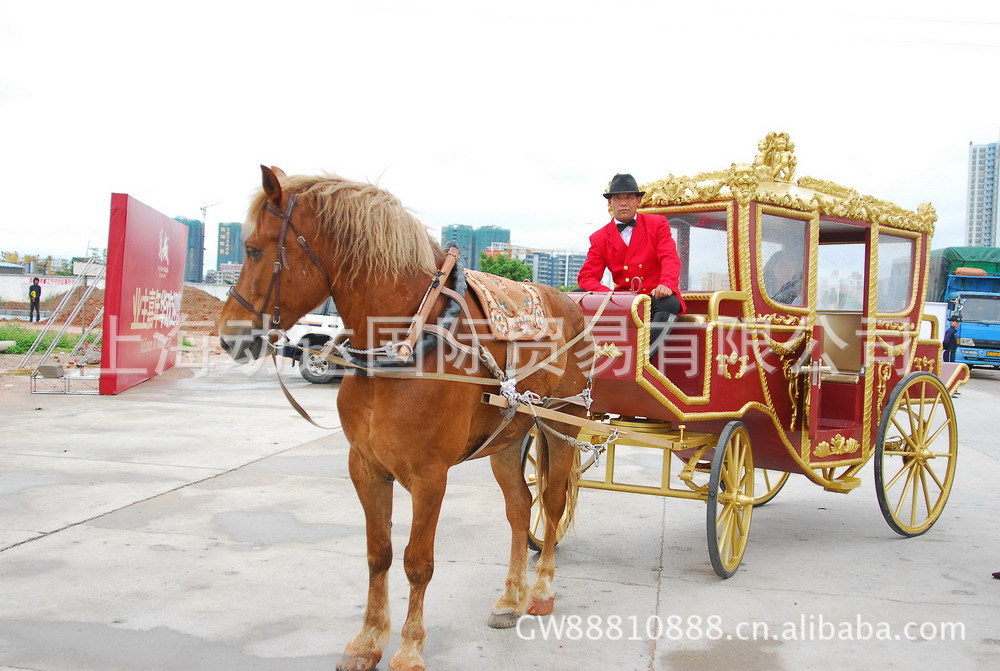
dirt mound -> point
(201, 311)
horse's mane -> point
(367, 225)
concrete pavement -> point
(196, 522)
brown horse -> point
(309, 237)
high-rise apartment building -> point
(230, 249)
(463, 236)
(472, 242)
(556, 269)
(194, 260)
(981, 212)
(486, 236)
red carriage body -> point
(803, 333)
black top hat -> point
(623, 183)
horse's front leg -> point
(507, 471)
(374, 487)
(427, 491)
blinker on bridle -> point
(282, 261)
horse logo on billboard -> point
(164, 248)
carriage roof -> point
(770, 179)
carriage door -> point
(838, 374)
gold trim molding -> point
(769, 179)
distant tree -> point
(505, 266)
(564, 288)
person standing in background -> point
(35, 300)
(950, 342)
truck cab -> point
(979, 327)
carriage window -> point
(782, 253)
(895, 272)
(841, 277)
(703, 245)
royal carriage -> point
(800, 353)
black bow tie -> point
(623, 226)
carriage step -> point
(843, 485)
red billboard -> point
(142, 294)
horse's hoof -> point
(357, 663)
(406, 663)
(502, 620)
(541, 606)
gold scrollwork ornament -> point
(837, 445)
(727, 360)
(608, 349)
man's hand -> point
(661, 291)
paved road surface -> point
(195, 522)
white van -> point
(312, 332)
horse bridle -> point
(275, 285)
(445, 321)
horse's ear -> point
(272, 187)
(278, 171)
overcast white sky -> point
(513, 113)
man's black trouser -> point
(663, 311)
(34, 309)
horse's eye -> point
(254, 253)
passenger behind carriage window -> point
(640, 252)
(783, 277)
(783, 243)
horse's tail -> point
(543, 466)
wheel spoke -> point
(905, 436)
(927, 494)
(937, 433)
(734, 544)
(930, 471)
(909, 412)
(744, 520)
(725, 532)
(906, 467)
(725, 519)
(906, 488)
(930, 418)
(916, 492)
(728, 466)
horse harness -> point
(404, 355)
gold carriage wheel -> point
(767, 484)
(536, 522)
(916, 453)
(730, 499)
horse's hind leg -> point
(556, 459)
(374, 488)
(427, 490)
(507, 471)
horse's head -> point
(282, 276)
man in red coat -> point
(639, 251)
